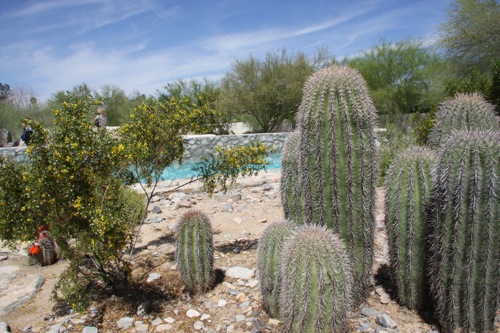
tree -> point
(4, 92)
(404, 77)
(265, 93)
(471, 36)
(203, 95)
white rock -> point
(153, 276)
(191, 313)
(169, 320)
(125, 322)
(198, 325)
(163, 328)
(237, 220)
(90, 329)
(204, 316)
(264, 220)
(237, 272)
(221, 303)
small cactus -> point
(269, 254)
(337, 164)
(408, 193)
(462, 112)
(43, 251)
(291, 192)
(465, 251)
(316, 281)
(195, 251)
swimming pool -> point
(184, 170)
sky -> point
(139, 46)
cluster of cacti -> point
(44, 249)
(316, 281)
(462, 112)
(465, 266)
(269, 255)
(291, 193)
(408, 193)
(337, 164)
(195, 251)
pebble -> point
(205, 316)
(191, 313)
(369, 312)
(125, 322)
(262, 220)
(156, 322)
(157, 210)
(153, 276)
(90, 329)
(4, 328)
(385, 321)
(198, 325)
(163, 328)
(237, 220)
(237, 272)
(143, 309)
(169, 320)
(142, 328)
(240, 317)
(221, 303)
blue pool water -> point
(176, 171)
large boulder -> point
(5, 137)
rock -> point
(385, 321)
(205, 316)
(4, 328)
(228, 207)
(156, 322)
(163, 328)
(125, 322)
(191, 313)
(90, 329)
(184, 204)
(198, 325)
(237, 220)
(177, 196)
(237, 272)
(369, 312)
(262, 220)
(143, 309)
(157, 210)
(3, 256)
(155, 219)
(240, 317)
(142, 328)
(169, 320)
(252, 284)
(221, 303)
(258, 324)
(153, 276)
(221, 197)
(273, 322)
(17, 289)
(245, 305)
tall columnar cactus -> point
(316, 282)
(291, 192)
(465, 266)
(463, 112)
(337, 164)
(269, 254)
(195, 251)
(407, 198)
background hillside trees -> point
(403, 77)
(471, 36)
(265, 92)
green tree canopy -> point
(403, 77)
(471, 36)
(267, 92)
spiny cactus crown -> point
(464, 111)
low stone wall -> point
(195, 145)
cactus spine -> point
(291, 193)
(269, 254)
(195, 251)
(407, 198)
(316, 281)
(337, 164)
(465, 111)
(465, 263)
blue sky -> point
(141, 45)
